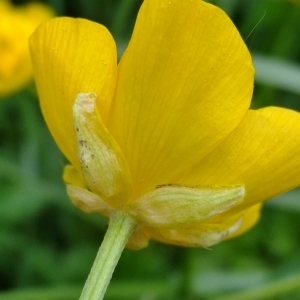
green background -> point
(47, 246)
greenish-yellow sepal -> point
(173, 206)
(87, 201)
(201, 235)
(102, 163)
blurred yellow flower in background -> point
(167, 136)
(16, 25)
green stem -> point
(119, 230)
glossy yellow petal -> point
(250, 217)
(36, 13)
(16, 25)
(72, 56)
(72, 176)
(263, 153)
(184, 83)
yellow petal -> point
(16, 25)
(263, 153)
(72, 56)
(249, 216)
(184, 83)
(72, 176)
(102, 163)
(181, 207)
(36, 13)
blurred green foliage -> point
(47, 246)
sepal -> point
(102, 163)
(174, 206)
(87, 201)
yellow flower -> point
(167, 136)
(16, 25)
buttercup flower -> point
(166, 137)
(16, 25)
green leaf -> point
(277, 73)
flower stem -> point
(119, 230)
